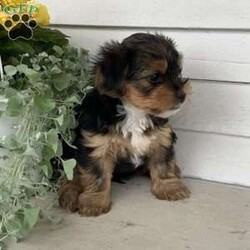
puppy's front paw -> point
(68, 197)
(170, 189)
(94, 204)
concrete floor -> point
(216, 217)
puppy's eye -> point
(156, 78)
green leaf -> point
(17, 47)
(30, 151)
(3, 33)
(45, 170)
(60, 81)
(68, 167)
(54, 59)
(15, 227)
(73, 100)
(10, 70)
(43, 55)
(60, 120)
(33, 75)
(59, 151)
(4, 84)
(31, 216)
(22, 222)
(22, 68)
(14, 106)
(52, 139)
(69, 122)
(56, 70)
(47, 152)
(58, 50)
(36, 67)
(69, 65)
(10, 142)
(44, 104)
(48, 35)
(10, 92)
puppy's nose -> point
(181, 95)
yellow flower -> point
(41, 16)
(8, 2)
(37, 11)
(3, 17)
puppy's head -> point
(145, 71)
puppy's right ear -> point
(110, 69)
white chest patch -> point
(133, 127)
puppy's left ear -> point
(110, 70)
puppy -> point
(123, 123)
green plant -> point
(43, 40)
(41, 88)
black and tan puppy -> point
(123, 123)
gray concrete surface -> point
(216, 217)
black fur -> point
(112, 63)
(97, 112)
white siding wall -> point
(214, 129)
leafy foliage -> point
(41, 87)
(44, 39)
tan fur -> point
(94, 204)
(95, 199)
(112, 145)
(85, 194)
(162, 138)
(160, 65)
(164, 95)
(166, 182)
(169, 189)
(68, 195)
(156, 66)
(106, 146)
(168, 185)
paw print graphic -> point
(20, 26)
